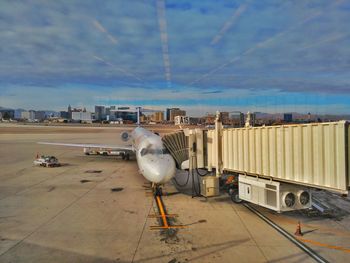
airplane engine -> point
(125, 136)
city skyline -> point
(202, 56)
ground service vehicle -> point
(47, 161)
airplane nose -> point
(164, 169)
(158, 169)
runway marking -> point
(319, 227)
(347, 250)
(143, 230)
(250, 234)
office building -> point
(225, 117)
(250, 120)
(82, 116)
(7, 113)
(100, 113)
(64, 114)
(28, 115)
(237, 119)
(287, 117)
(40, 115)
(123, 113)
(157, 116)
(167, 113)
(209, 119)
(173, 112)
(18, 114)
(69, 110)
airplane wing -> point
(101, 146)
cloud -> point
(125, 72)
(212, 92)
(299, 47)
(164, 39)
(331, 38)
(259, 45)
(229, 23)
(103, 30)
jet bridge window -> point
(153, 151)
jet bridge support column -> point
(218, 144)
(192, 150)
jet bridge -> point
(275, 166)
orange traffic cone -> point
(298, 231)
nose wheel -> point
(157, 190)
(165, 219)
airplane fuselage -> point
(154, 161)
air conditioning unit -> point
(273, 195)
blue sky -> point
(269, 56)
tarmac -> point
(96, 208)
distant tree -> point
(6, 116)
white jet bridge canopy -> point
(315, 155)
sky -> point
(205, 55)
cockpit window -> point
(154, 151)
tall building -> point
(123, 113)
(250, 120)
(18, 113)
(167, 114)
(237, 119)
(28, 115)
(143, 118)
(40, 115)
(108, 111)
(64, 114)
(225, 117)
(7, 113)
(172, 112)
(69, 112)
(287, 117)
(83, 116)
(209, 119)
(100, 113)
(157, 116)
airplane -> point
(154, 160)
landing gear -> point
(231, 186)
(125, 156)
(233, 192)
(158, 190)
